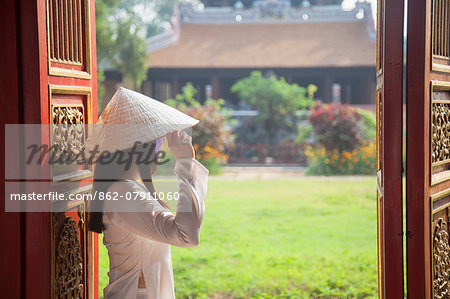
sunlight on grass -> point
(290, 239)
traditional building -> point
(215, 46)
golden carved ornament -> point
(441, 261)
(440, 132)
(68, 130)
(69, 263)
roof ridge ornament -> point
(273, 11)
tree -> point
(104, 33)
(164, 10)
(277, 103)
(122, 28)
(132, 48)
(186, 98)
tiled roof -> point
(327, 44)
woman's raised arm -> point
(152, 220)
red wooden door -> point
(389, 147)
(428, 156)
(51, 79)
(71, 84)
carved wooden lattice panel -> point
(441, 35)
(441, 260)
(440, 148)
(69, 263)
(70, 109)
(68, 26)
(69, 114)
(69, 237)
(440, 133)
(66, 38)
(441, 28)
(68, 130)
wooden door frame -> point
(416, 173)
(423, 75)
(389, 147)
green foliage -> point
(105, 30)
(153, 28)
(369, 124)
(283, 239)
(185, 99)
(132, 55)
(305, 133)
(122, 32)
(104, 35)
(120, 40)
(164, 10)
(311, 90)
(100, 87)
(276, 102)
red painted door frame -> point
(10, 223)
(26, 240)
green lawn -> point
(288, 238)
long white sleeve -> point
(156, 222)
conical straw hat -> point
(131, 116)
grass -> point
(288, 238)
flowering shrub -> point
(211, 136)
(358, 161)
(336, 126)
(343, 140)
(209, 152)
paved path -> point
(275, 173)
(262, 172)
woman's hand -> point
(180, 145)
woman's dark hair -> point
(105, 174)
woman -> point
(138, 232)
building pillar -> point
(153, 88)
(215, 84)
(348, 93)
(175, 86)
(146, 88)
(289, 79)
(328, 86)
